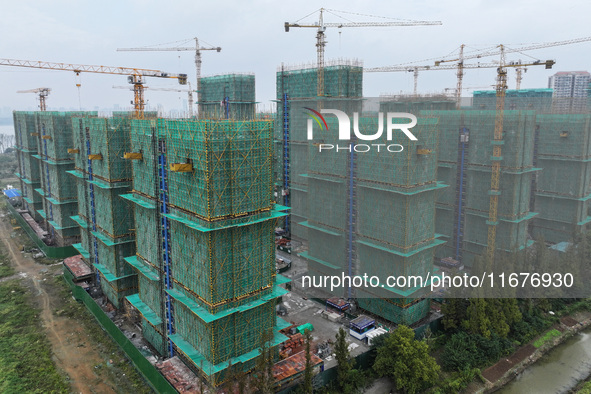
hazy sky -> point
(252, 38)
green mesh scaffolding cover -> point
(229, 96)
(345, 80)
(57, 126)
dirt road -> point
(70, 342)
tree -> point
(231, 374)
(406, 361)
(498, 322)
(307, 386)
(201, 382)
(263, 369)
(464, 351)
(477, 319)
(344, 362)
(428, 337)
(242, 381)
(454, 312)
(487, 317)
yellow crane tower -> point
(321, 28)
(135, 76)
(42, 94)
(196, 48)
(188, 91)
(494, 192)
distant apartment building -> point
(570, 89)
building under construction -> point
(464, 163)
(203, 195)
(296, 90)
(204, 222)
(344, 203)
(558, 143)
(398, 188)
(49, 192)
(106, 223)
(25, 126)
(562, 188)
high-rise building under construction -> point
(204, 220)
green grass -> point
(547, 337)
(5, 268)
(586, 389)
(25, 352)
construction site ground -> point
(82, 351)
(302, 309)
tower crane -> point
(188, 91)
(519, 69)
(468, 88)
(321, 26)
(415, 70)
(135, 76)
(42, 93)
(196, 48)
(460, 66)
(501, 88)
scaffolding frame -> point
(213, 264)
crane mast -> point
(320, 44)
(492, 222)
(198, 63)
(495, 192)
(460, 75)
(519, 76)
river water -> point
(558, 371)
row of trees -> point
(8, 165)
(6, 142)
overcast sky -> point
(252, 38)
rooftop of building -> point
(572, 73)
